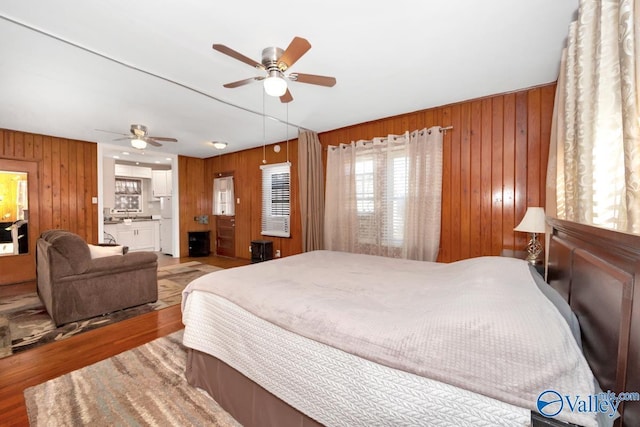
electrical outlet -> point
(249, 248)
(277, 253)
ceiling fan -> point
(139, 138)
(275, 62)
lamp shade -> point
(533, 221)
(139, 144)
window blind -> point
(276, 199)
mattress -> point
(333, 387)
(481, 326)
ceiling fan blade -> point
(241, 82)
(237, 55)
(162, 138)
(122, 139)
(109, 131)
(287, 97)
(313, 79)
(294, 51)
(152, 142)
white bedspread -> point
(479, 324)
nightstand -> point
(523, 255)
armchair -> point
(74, 286)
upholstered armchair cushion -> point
(73, 286)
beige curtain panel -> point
(594, 158)
(384, 196)
(311, 180)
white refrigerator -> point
(166, 226)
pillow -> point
(562, 306)
(104, 251)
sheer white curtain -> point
(594, 158)
(223, 198)
(383, 197)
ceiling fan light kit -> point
(274, 85)
(139, 144)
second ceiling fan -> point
(139, 137)
(275, 62)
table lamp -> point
(534, 223)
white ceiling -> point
(55, 77)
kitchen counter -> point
(121, 220)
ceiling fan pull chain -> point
(264, 130)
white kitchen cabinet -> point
(161, 183)
(132, 171)
(127, 236)
(138, 236)
(147, 237)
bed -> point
(343, 339)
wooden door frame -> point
(22, 267)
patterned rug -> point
(26, 324)
(142, 386)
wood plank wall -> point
(68, 179)
(494, 165)
(495, 162)
(196, 196)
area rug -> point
(29, 324)
(142, 386)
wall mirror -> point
(19, 225)
(14, 212)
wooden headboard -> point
(598, 272)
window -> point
(223, 197)
(276, 199)
(128, 195)
(381, 191)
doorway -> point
(159, 206)
(224, 211)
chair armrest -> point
(122, 262)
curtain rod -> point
(442, 129)
(445, 129)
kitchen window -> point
(128, 195)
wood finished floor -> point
(43, 363)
